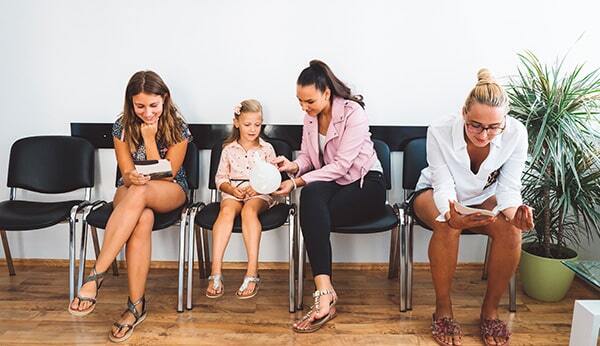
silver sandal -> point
(139, 318)
(217, 280)
(247, 280)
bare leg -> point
(503, 261)
(252, 231)
(130, 202)
(443, 256)
(222, 228)
(138, 252)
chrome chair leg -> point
(292, 264)
(409, 261)
(7, 255)
(206, 253)
(300, 266)
(200, 249)
(190, 259)
(72, 234)
(403, 266)
(180, 267)
(394, 241)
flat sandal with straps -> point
(217, 286)
(247, 280)
(98, 278)
(318, 323)
(139, 318)
(443, 328)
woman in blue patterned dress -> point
(150, 128)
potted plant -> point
(562, 179)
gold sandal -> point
(217, 280)
(139, 318)
(247, 280)
(98, 278)
(318, 323)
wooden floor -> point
(33, 311)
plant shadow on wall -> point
(561, 111)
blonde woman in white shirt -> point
(476, 160)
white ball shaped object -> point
(265, 178)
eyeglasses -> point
(477, 128)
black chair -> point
(203, 218)
(47, 164)
(97, 214)
(415, 160)
(389, 220)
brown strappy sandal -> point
(139, 318)
(445, 327)
(494, 328)
(98, 278)
(318, 323)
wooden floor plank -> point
(33, 311)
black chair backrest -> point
(415, 160)
(281, 148)
(51, 164)
(383, 154)
(191, 165)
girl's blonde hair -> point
(487, 92)
(170, 123)
(244, 106)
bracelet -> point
(293, 182)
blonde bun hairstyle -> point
(487, 92)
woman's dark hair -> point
(321, 76)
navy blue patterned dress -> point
(140, 153)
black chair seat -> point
(270, 219)
(99, 217)
(381, 224)
(27, 215)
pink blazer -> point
(348, 153)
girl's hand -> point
(523, 218)
(250, 191)
(285, 165)
(132, 177)
(460, 221)
(149, 131)
(284, 189)
(238, 193)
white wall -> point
(68, 61)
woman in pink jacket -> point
(342, 176)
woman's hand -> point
(460, 221)
(523, 218)
(285, 165)
(149, 131)
(132, 177)
(284, 189)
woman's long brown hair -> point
(170, 122)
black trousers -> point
(326, 204)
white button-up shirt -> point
(449, 171)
